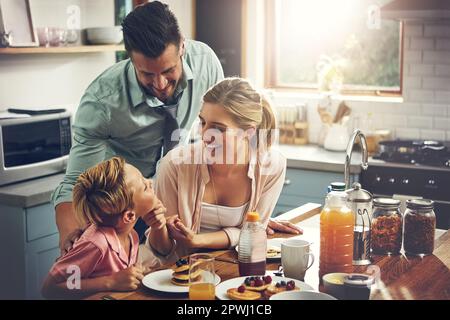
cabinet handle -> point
(287, 182)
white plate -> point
(160, 281)
(301, 295)
(221, 289)
(275, 243)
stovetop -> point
(415, 152)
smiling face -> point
(144, 198)
(221, 135)
(159, 76)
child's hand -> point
(156, 218)
(127, 279)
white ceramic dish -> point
(301, 295)
(221, 289)
(105, 35)
(160, 281)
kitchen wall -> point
(61, 79)
(425, 110)
(55, 79)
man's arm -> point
(90, 132)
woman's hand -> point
(178, 231)
(282, 226)
(156, 218)
(127, 279)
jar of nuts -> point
(420, 226)
(386, 226)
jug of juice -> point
(336, 232)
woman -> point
(207, 187)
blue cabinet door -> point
(303, 186)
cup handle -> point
(312, 260)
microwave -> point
(34, 146)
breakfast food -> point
(255, 288)
(280, 287)
(180, 275)
(242, 294)
(257, 283)
(273, 252)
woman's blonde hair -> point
(101, 195)
(248, 107)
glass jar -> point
(386, 226)
(420, 226)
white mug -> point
(294, 258)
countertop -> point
(30, 193)
(309, 157)
(313, 157)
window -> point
(333, 45)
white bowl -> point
(301, 295)
(104, 35)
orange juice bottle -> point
(336, 232)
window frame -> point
(272, 47)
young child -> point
(108, 198)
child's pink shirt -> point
(97, 253)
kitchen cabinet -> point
(302, 186)
(29, 243)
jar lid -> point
(357, 194)
(386, 202)
(338, 186)
(358, 280)
(419, 204)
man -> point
(133, 107)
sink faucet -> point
(348, 157)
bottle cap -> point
(338, 186)
(252, 216)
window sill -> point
(339, 97)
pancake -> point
(183, 283)
(234, 294)
(257, 289)
(181, 275)
(273, 252)
(273, 289)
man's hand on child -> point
(70, 240)
(127, 279)
(156, 218)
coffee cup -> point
(295, 255)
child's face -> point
(144, 199)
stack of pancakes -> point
(180, 275)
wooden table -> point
(402, 278)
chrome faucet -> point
(348, 157)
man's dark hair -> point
(150, 28)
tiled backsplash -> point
(425, 112)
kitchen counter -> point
(310, 157)
(313, 157)
(30, 193)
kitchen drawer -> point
(40, 221)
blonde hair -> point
(247, 106)
(101, 195)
